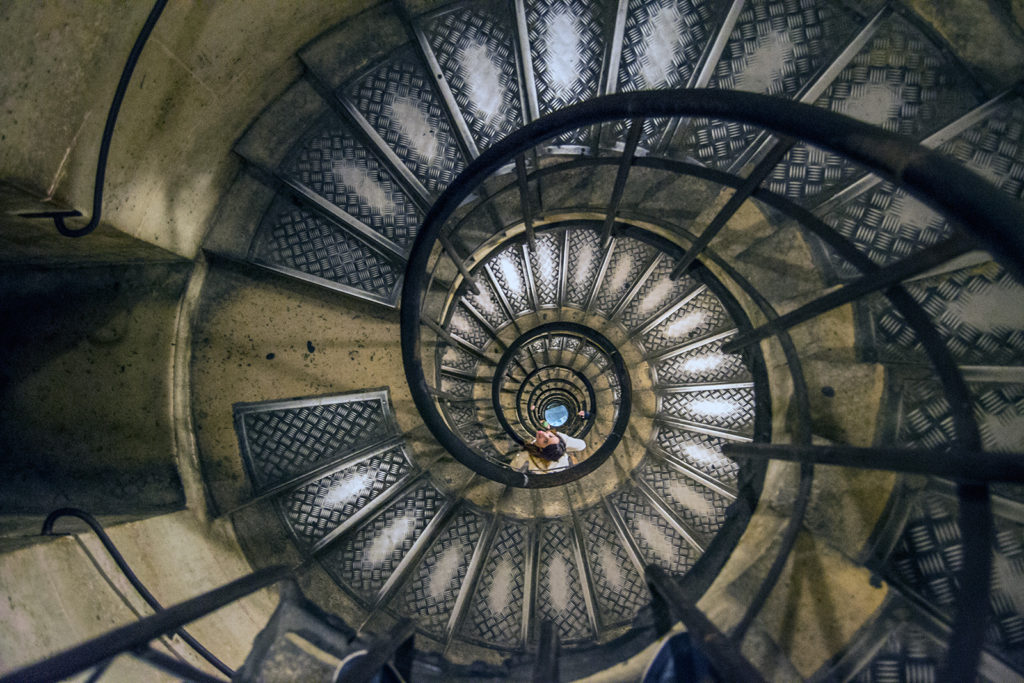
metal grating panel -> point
(314, 510)
(628, 261)
(477, 58)
(655, 294)
(702, 509)
(298, 240)
(887, 224)
(510, 274)
(399, 103)
(486, 302)
(925, 420)
(454, 357)
(620, 589)
(566, 46)
(336, 166)
(559, 589)
(546, 265)
(908, 654)
(366, 558)
(464, 326)
(495, 615)
(456, 386)
(700, 450)
(705, 363)
(994, 148)
(930, 553)
(435, 585)
(775, 48)
(700, 317)
(460, 413)
(978, 312)
(659, 543)
(585, 256)
(899, 81)
(283, 442)
(662, 44)
(727, 408)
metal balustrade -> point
(986, 219)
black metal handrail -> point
(133, 578)
(137, 636)
(988, 215)
(59, 217)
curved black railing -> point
(59, 217)
(133, 578)
(987, 216)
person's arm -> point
(572, 443)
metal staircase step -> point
(899, 67)
(474, 48)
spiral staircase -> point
(581, 268)
(589, 230)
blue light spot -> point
(556, 415)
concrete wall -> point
(208, 69)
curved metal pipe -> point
(108, 133)
(133, 579)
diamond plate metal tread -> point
(546, 267)
(510, 274)
(295, 240)
(929, 554)
(334, 164)
(731, 409)
(994, 148)
(314, 510)
(456, 386)
(979, 313)
(655, 294)
(702, 509)
(585, 256)
(398, 101)
(703, 364)
(477, 57)
(463, 325)
(434, 585)
(566, 47)
(775, 48)
(662, 44)
(620, 590)
(901, 82)
(365, 558)
(701, 316)
(559, 588)
(282, 440)
(925, 421)
(486, 302)
(702, 451)
(456, 358)
(627, 263)
(887, 224)
(658, 542)
(494, 617)
(907, 654)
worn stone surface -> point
(986, 34)
(85, 386)
(250, 344)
